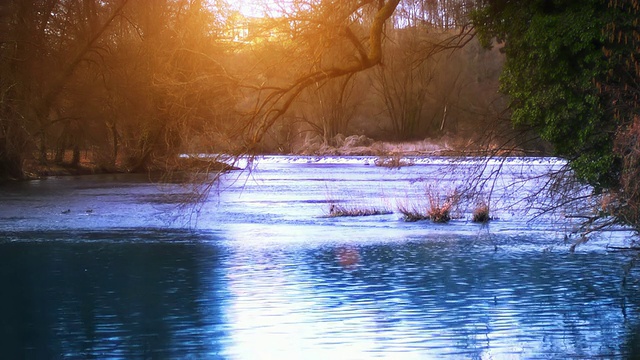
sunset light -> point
(319, 179)
(259, 8)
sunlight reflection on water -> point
(417, 299)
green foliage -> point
(554, 58)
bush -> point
(624, 202)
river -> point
(113, 266)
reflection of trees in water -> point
(632, 342)
(471, 295)
(100, 300)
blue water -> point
(259, 272)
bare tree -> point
(330, 107)
(329, 24)
(44, 45)
(403, 83)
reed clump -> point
(481, 214)
(412, 213)
(344, 211)
(435, 209)
(439, 211)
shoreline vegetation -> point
(86, 166)
(389, 155)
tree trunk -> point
(10, 162)
(114, 133)
(60, 149)
(43, 149)
(75, 160)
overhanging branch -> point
(276, 104)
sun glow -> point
(259, 8)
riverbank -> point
(34, 170)
(83, 244)
(355, 145)
(360, 145)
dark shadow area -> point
(109, 299)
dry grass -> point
(436, 209)
(343, 211)
(411, 213)
(481, 214)
(440, 211)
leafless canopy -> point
(340, 39)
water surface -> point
(259, 271)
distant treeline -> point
(130, 84)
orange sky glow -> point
(259, 8)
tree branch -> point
(53, 91)
(275, 105)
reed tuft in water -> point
(481, 214)
(344, 211)
(411, 213)
(440, 211)
(435, 209)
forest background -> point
(131, 84)
(128, 85)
